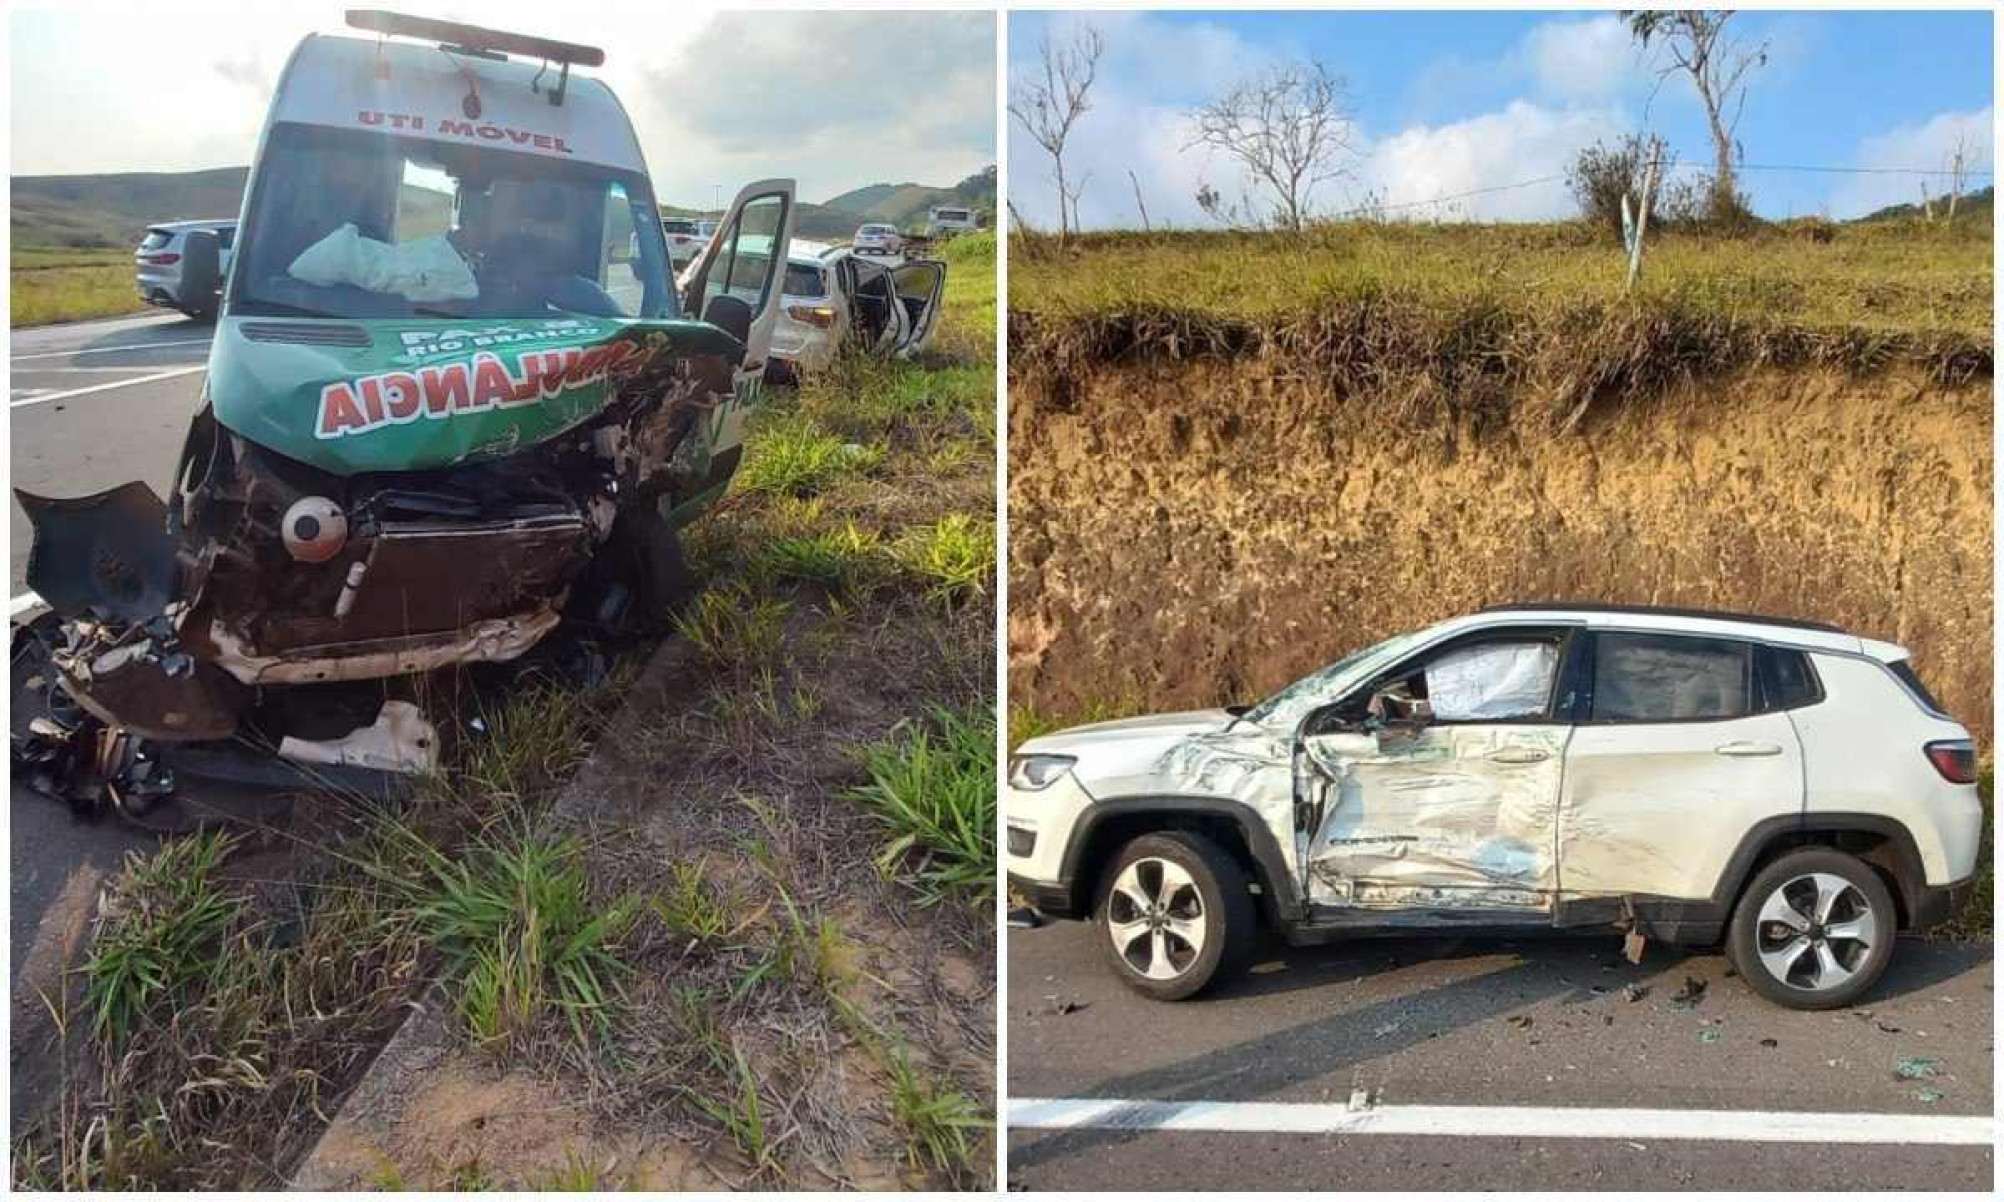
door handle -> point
(1519, 755)
(1746, 748)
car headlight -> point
(1033, 772)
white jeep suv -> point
(1694, 777)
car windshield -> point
(680, 227)
(360, 225)
(1284, 710)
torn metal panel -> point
(399, 740)
(1443, 815)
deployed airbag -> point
(422, 270)
(1491, 681)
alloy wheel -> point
(1155, 916)
(1815, 932)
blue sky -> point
(1446, 102)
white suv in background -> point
(835, 298)
(1689, 776)
(877, 238)
(158, 260)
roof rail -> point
(1668, 611)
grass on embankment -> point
(1474, 311)
(53, 284)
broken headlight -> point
(1033, 772)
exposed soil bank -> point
(1202, 532)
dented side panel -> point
(1448, 816)
(1656, 809)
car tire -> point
(1785, 935)
(1203, 916)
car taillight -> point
(821, 316)
(166, 260)
(1955, 759)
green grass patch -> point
(845, 557)
(733, 626)
(523, 935)
(938, 1120)
(955, 556)
(932, 784)
(161, 934)
(46, 286)
(789, 454)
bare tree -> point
(1138, 202)
(1288, 127)
(1717, 63)
(1048, 106)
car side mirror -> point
(730, 314)
(201, 264)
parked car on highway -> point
(1694, 777)
(444, 410)
(161, 276)
(705, 228)
(877, 238)
(836, 298)
(685, 238)
(944, 221)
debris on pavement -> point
(1634, 992)
(1520, 1021)
(1709, 1035)
(1690, 995)
(1929, 1096)
(1917, 1068)
(1023, 918)
(1770, 1043)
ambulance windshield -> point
(352, 224)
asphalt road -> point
(69, 445)
(67, 442)
(1529, 1023)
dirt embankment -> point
(1201, 532)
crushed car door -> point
(920, 284)
(1435, 785)
(735, 283)
(1677, 757)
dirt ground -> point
(757, 809)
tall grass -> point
(522, 934)
(160, 934)
(932, 784)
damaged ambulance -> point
(1782, 787)
(454, 395)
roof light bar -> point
(473, 37)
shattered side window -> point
(1285, 709)
(1489, 682)
(1669, 678)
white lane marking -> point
(128, 368)
(111, 350)
(1523, 1122)
(22, 604)
(19, 402)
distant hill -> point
(114, 210)
(1979, 201)
(906, 204)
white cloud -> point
(1522, 142)
(1151, 73)
(1926, 146)
(782, 94)
(1589, 60)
